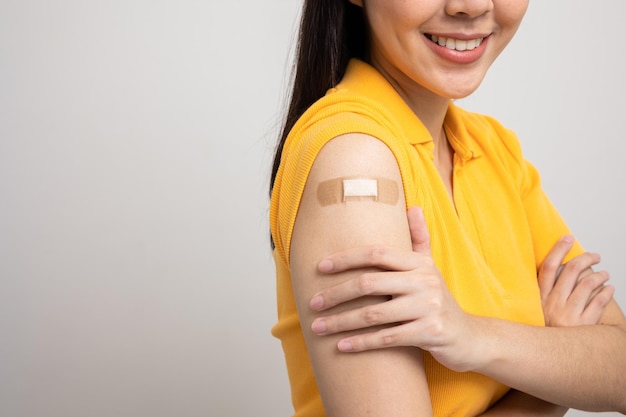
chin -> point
(458, 90)
(458, 94)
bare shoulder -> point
(354, 154)
(354, 190)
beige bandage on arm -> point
(343, 190)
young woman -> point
(475, 301)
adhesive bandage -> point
(343, 190)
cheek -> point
(394, 26)
(509, 13)
(396, 15)
(385, 28)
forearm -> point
(579, 367)
(520, 404)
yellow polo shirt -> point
(488, 248)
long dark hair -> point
(331, 32)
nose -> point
(468, 8)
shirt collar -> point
(365, 81)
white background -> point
(135, 144)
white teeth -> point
(457, 44)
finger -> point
(401, 335)
(420, 237)
(589, 285)
(396, 310)
(586, 289)
(384, 257)
(367, 284)
(594, 310)
(572, 273)
(596, 291)
(550, 268)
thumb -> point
(420, 238)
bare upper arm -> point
(380, 382)
(613, 316)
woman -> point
(441, 314)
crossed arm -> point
(582, 366)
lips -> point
(456, 44)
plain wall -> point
(135, 141)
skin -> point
(382, 272)
(401, 51)
(528, 358)
(345, 381)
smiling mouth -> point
(456, 44)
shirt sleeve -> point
(545, 222)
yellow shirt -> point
(488, 247)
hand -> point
(421, 310)
(572, 294)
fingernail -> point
(568, 239)
(317, 303)
(326, 265)
(318, 327)
(345, 346)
